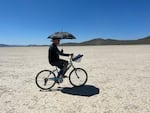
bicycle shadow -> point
(86, 90)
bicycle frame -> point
(69, 66)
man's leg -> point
(65, 65)
(62, 65)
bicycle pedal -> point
(57, 82)
(60, 81)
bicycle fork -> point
(76, 73)
(75, 70)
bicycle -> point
(46, 79)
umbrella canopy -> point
(62, 35)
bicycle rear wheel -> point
(45, 79)
(78, 77)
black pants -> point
(62, 65)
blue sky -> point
(31, 21)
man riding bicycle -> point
(46, 79)
(54, 59)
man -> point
(54, 59)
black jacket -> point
(54, 52)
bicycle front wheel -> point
(45, 79)
(78, 77)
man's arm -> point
(62, 53)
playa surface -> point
(119, 81)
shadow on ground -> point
(86, 90)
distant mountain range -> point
(97, 41)
(101, 41)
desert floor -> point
(119, 81)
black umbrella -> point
(62, 35)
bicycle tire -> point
(46, 82)
(79, 72)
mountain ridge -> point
(101, 41)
